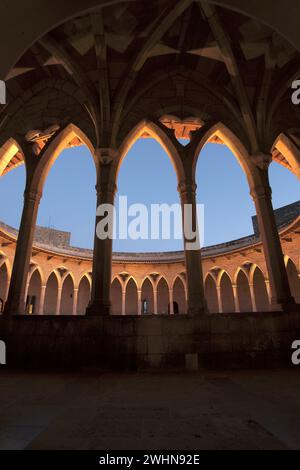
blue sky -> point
(146, 176)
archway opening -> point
(34, 293)
(116, 297)
(163, 297)
(67, 296)
(211, 295)
(227, 297)
(243, 292)
(260, 291)
(3, 285)
(147, 297)
(294, 280)
(131, 298)
(51, 295)
(84, 293)
(154, 213)
(179, 297)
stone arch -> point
(4, 284)
(131, 297)
(147, 296)
(226, 292)
(290, 152)
(294, 280)
(156, 132)
(235, 145)
(84, 294)
(54, 149)
(243, 291)
(116, 296)
(34, 292)
(163, 297)
(51, 293)
(211, 294)
(67, 295)
(179, 296)
(7, 152)
(260, 290)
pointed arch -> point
(163, 297)
(84, 294)
(147, 296)
(294, 279)
(260, 290)
(179, 296)
(131, 297)
(116, 296)
(54, 149)
(8, 151)
(4, 283)
(243, 290)
(291, 153)
(226, 292)
(210, 290)
(67, 295)
(153, 130)
(51, 293)
(34, 292)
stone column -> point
(139, 294)
(15, 303)
(219, 299)
(171, 302)
(253, 301)
(100, 303)
(42, 300)
(267, 283)
(236, 298)
(155, 301)
(75, 300)
(123, 301)
(194, 277)
(280, 290)
(58, 300)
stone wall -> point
(150, 342)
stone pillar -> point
(15, 303)
(155, 301)
(253, 301)
(75, 300)
(280, 290)
(100, 303)
(58, 300)
(220, 307)
(194, 277)
(42, 300)
(139, 294)
(236, 298)
(123, 301)
(171, 302)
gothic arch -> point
(211, 295)
(260, 290)
(131, 297)
(116, 296)
(294, 280)
(163, 296)
(147, 295)
(84, 294)
(34, 291)
(226, 292)
(53, 283)
(179, 295)
(67, 295)
(243, 290)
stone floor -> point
(94, 410)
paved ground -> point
(236, 410)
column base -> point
(98, 309)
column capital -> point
(261, 192)
(106, 155)
(32, 196)
(262, 160)
(187, 187)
